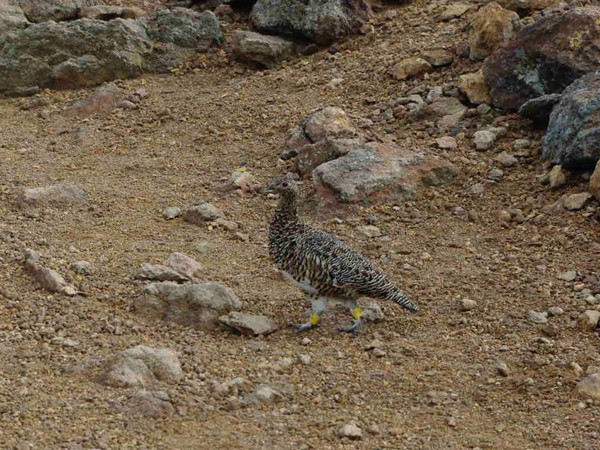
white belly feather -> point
(302, 285)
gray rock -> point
(267, 51)
(574, 127)
(507, 160)
(186, 28)
(75, 54)
(49, 279)
(575, 202)
(371, 231)
(467, 304)
(158, 272)
(201, 214)
(171, 213)
(59, 194)
(82, 268)
(477, 189)
(521, 144)
(155, 404)
(379, 170)
(194, 305)
(141, 366)
(55, 10)
(537, 317)
(372, 312)
(263, 394)
(555, 311)
(446, 106)
(539, 109)
(502, 369)
(320, 21)
(589, 387)
(351, 431)
(184, 265)
(446, 143)
(495, 174)
(11, 15)
(108, 12)
(484, 140)
(570, 275)
(249, 324)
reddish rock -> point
(410, 68)
(545, 57)
(101, 101)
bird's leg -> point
(358, 322)
(318, 308)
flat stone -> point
(200, 214)
(371, 231)
(588, 320)
(249, 324)
(158, 272)
(467, 304)
(537, 317)
(446, 143)
(264, 50)
(184, 265)
(589, 387)
(410, 68)
(351, 431)
(575, 202)
(55, 195)
(438, 57)
(484, 140)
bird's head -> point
(283, 185)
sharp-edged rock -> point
(249, 324)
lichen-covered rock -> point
(11, 15)
(539, 109)
(56, 10)
(545, 57)
(264, 50)
(71, 54)
(194, 305)
(573, 133)
(491, 27)
(320, 21)
(377, 170)
(186, 28)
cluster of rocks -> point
(346, 169)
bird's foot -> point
(354, 328)
(301, 327)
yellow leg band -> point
(357, 313)
(315, 319)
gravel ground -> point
(437, 378)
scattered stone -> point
(473, 86)
(595, 182)
(410, 68)
(322, 22)
(502, 369)
(200, 214)
(266, 51)
(570, 139)
(158, 272)
(351, 431)
(155, 404)
(555, 178)
(575, 202)
(454, 11)
(263, 394)
(305, 341)
(141, 366)
(492, 27)
(507, 160)
(58, 194)
(569, 276)
(537, 317)
(372, 312)
(184, 265)
(521, 144)
(48, 278)
(378, 170)
(438, 57)
(484, 140)
(171, 213)
(371, 231)
(589, 387)
(444, 107)
(446, 143)
(249, 324)
(304, 359)
(538, 109)
(375, 343)
(82, 268)
(544, 58)
(555, 311)
(588, 320)
(101, 101)
(194, 305)
(467, 304)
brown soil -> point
(190, 134)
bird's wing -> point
(345, 266)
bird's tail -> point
(400, 298)
(379, 287)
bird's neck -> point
(286, 214)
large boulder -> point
(11, 15)
(194, 305)
(261, 49)
(186, 28)
(375, 170)
(545, 57)
(71, 54)
(491, 27)
(320, 21)
(573, 133)
(56, 10)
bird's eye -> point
(284, 183)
